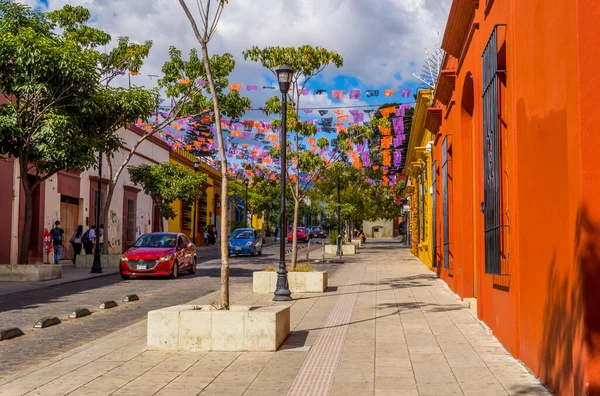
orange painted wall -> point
(546, 310)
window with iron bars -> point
(495, 225)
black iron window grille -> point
(423, 204)
(433, 215)
(491, 206)
(445, 204)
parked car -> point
(244, 241)
(159, 254)
(302, 235)
(317, 232)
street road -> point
(24, 309)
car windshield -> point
(156, 241)
(242, 234)
(301, 229)
(317, 229)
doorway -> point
(69, 217)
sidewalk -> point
(386, 326)
(69, 274)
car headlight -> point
(124, 258)
(166, 258)
(249, 243)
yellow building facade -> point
(208, 206)
(421, 180)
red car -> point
(302, 235)
(159, 254)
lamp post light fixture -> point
(246, 205)
(97, 265)
(196, 167)
(282, 291)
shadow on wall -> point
(570, 360)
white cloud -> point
(378, 39)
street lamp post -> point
(339, 216)
(284, 77)
(196, 167)
(246, 205)
(97, 266)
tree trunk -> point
(224, 181)
(105, 213)
(28, 220)
(294, 230)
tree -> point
(307, 62)
(49, 77)
(263, 196)
(167, 183)
(235, 105)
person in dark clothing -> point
(76, 242)
(57, 241)
(88, 239)
(211, 236)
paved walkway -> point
(387, 326)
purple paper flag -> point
(405, 93)
(251, 87)
(359, 117)
(312, 121)
(307, 111)
(355, 94)
(400, 111)
(266, 124)
(353, 112)
(398, 125)
(202, 82)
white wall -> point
(147, 153)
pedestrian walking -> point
(101, 236)
(88, 239)
(205, 237)
(211, 236)
(57, 241)
(216, 234)
(76, 242)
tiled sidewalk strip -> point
(316, 375)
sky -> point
(382, 41)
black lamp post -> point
(246, 205)
(97, 266)
(196, 167)
(339, 218)
(284, 77)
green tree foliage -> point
(50, 79)
(167, 183)
(306, 62)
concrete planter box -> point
(107, 260)
(347, 250)
(299, 282)
(357, 243)
(200, 328)
(29, 272)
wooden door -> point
(69, 215)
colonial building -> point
(517, 170)
(419, 167)
(70, 198)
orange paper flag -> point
(197, 144)
(338, 112)
(176, 126)
(385, 131)
(235, 87)
(148, 128)
(343, 119)
(188, 147)
(389, 92)
(184, 81)
(387, 111)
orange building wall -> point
(546, 310)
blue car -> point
(244, 241)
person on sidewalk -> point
(76, 242)
(101, 236)
(57, 241)
(211, 236)
(216, 234)
(205, 237)
(88, 239)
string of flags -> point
(339, 94)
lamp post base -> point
(282, 291)
(97, 266)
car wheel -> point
(175, 270)
(253, 252)
(125, 277)
(193, 269)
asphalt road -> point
(24, 309)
